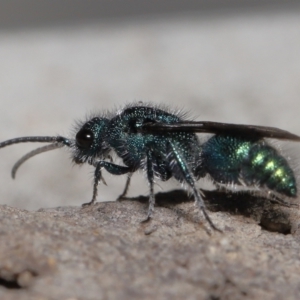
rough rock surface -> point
(105, 252)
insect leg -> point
(113, 168)
(189, 178)
(122, 196)
(150, 176)
(97, 178)
(109, 167)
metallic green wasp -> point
(165, 146)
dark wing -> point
(252, 131)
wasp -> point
(165, 145)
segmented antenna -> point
(38, 139)
(31, 154)
(56, 142)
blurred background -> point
(230, 61)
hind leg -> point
(190, 180)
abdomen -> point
(230, 159)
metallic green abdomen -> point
(230, 159)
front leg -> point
(109, 167)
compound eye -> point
(84, 138)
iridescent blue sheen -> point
(124, 137)
(226, 158)
(236, 154)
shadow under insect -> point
(270, 216)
